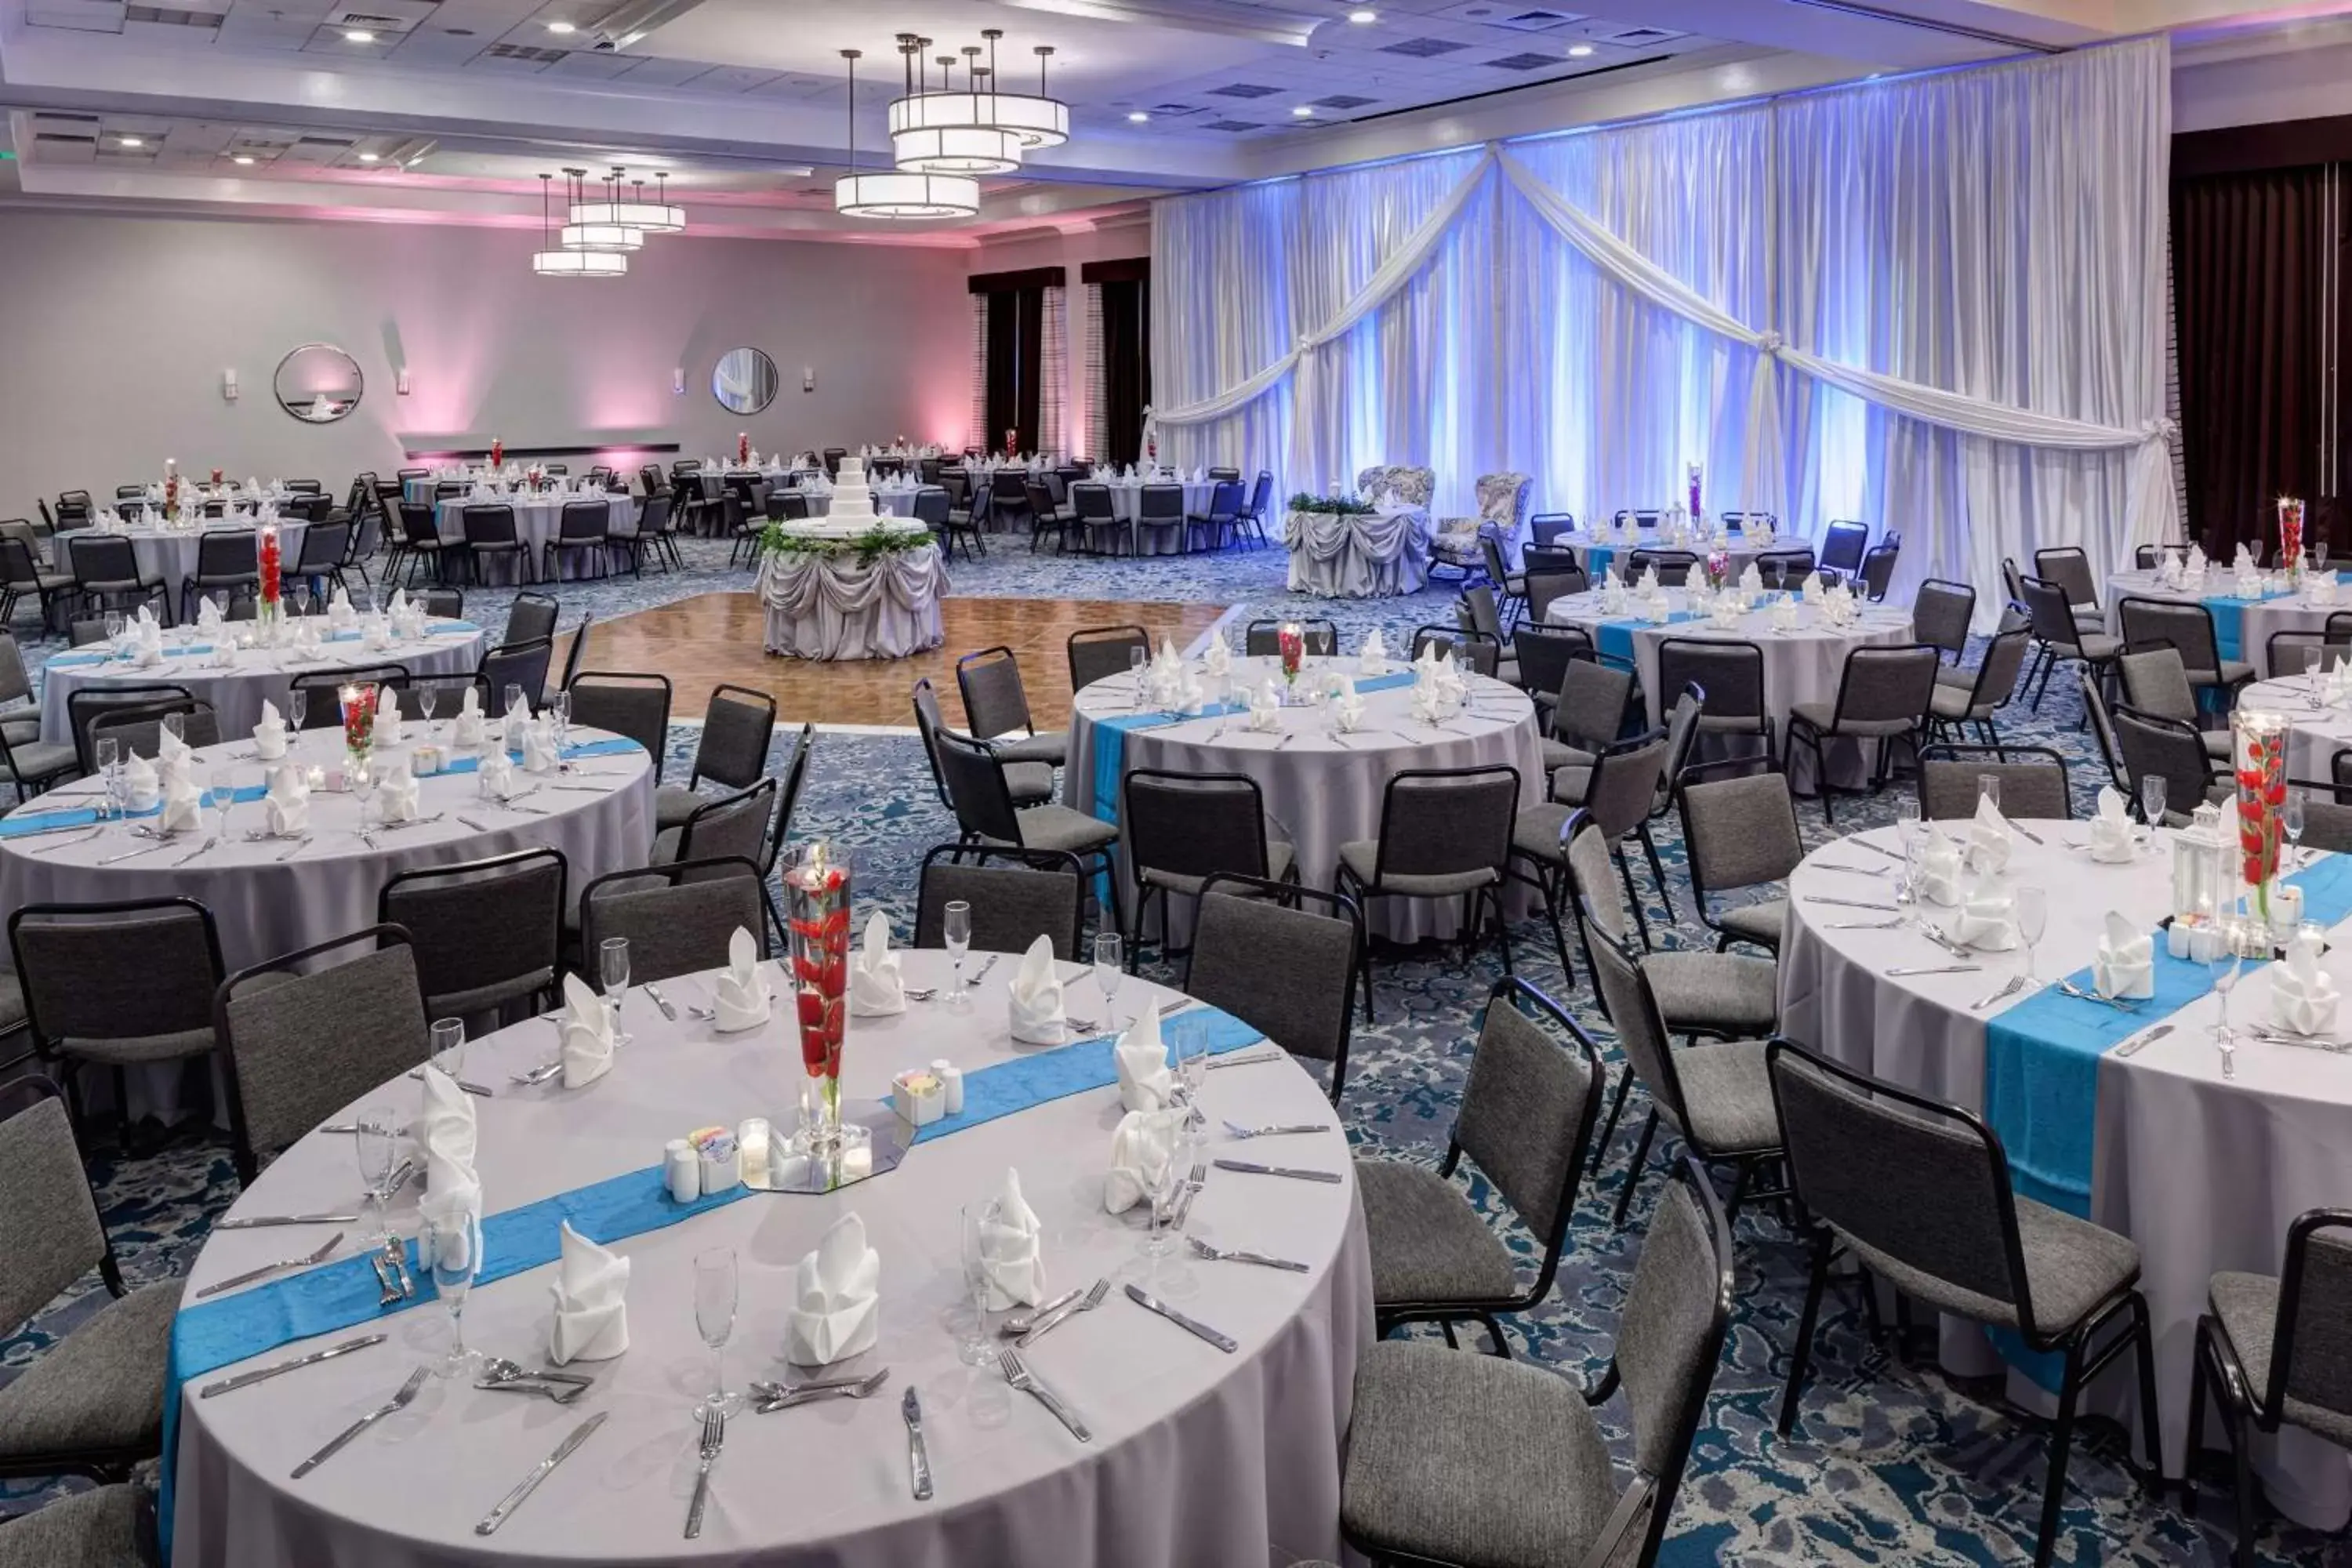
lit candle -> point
(752, 1136)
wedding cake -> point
(853, 500)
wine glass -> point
(955, 930)
(2218, 946)
(363, 777)
(1136, 658)
(1907, 832)
(448, 1046)
(110, 769)
(452, 1248)
(223, 795)
(974, 1348)
(1159, 1235)
(2290, 819)
(426, 695)
(559, 708)
(2032, 907)
(2151, 801)
(613, 962)
(296, 703)
(2312, 657)
(114, 629)
(1107, 975)
(516, 706)
(1989, 790)
(375, 1131)
(714, 1317)
(2319, 555)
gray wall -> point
(115, 331)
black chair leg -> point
(2062, 1442)
(1633, 899)
(1657, 869)
(1633, 1171)
(2150, 1434)
(1800, 1354)
(1609, 1126)
(2196, 1369)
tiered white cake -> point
(852, 499)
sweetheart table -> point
(1198, 1456)
(1360, 556)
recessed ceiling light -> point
(131, 141)
(1578, 51)
(357, 35)
(562, 28)
(242, 159)
(370, 157)
(1363, 18)
(1138, 118)
(1303, 110)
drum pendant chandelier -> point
(898, 193)
(939, 133)
(656, 216)
(608, 237)
(553, 261)
(1027, 121)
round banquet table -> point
(267, 902)
(538, 518)
(1127, 507)
(170, 553)
(1805, 664)
(2203, 1172)
(238, 688)
(1598, 552)
(1197, 1458)
(1322, 790)
(2242, 628)
(2315, 731)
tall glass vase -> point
(271, 560)
(2258, 748)
(816, 889)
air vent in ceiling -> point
(1243, 89)
(1343, 101)
(1170, 110)
(1233, 125)
(1533, 21)
(46, 117)
(1524, 62)
(364, 22)
(62, 140)
(170, 18)
(1422, 48)
(524, 52)
(1637, 37)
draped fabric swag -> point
(1934, 303)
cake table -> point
(851, 585)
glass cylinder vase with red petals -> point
(816, 892)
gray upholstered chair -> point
(2033, 782)
(1031, 784)
(2070, 568)
(1941, 613)
(1714, 1097)
(1286, 969)
(788, 799)
(483, 934)
(1263, 639)
(1614, 798)
(678, 918)
(1919, 1195)
(1471, 1460)
(738, 726)
(1479, 655)
(106, 1527)
(22, 725)
(2188, 628)
(995, 705)
(1739, 830)
(1016, 896)
(531, 617)
(2155, 681)
(1546, 586)
(1527, 1117)
(1544, 655)
(1731, 673)
(2174, 752)
(1098, 652)
(1479, 612)
(2058, 638)
(981, 798)
(92, 1403)
(1183, 829)
(1587, 715)
(116, 986)
(2277, 1350)
(728, 826)
(449, 604)
(1953, 708)
(2102, 726)
(301, 1037)
(139, 728)
(627, 704)
(514, 666)
(1883, 698)
(84, 707)
(1445, 833)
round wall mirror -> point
(318, 383)
(745, 380)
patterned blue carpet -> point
(1893, 1462)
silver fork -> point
(714, 1437)
(1046, 1321)
(1022, 1378)
(2117, 1002)
(199, 850)
(334, 1446)
(2009, 987)
(1192, 1186)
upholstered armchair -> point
(1501, 514)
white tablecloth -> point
(1127, 506)
(1803, 665)
(170, 553)
(2317, 733)
(1197, 1457)
(2204, 1173)
(1323, 791)
(266, 906)
(538, 519)
(252, 675)
(2257, 619)
(1369, 556)
(1605, 552)
(830, 607)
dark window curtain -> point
(1011, 393)
(1032, 352)
(1127, 363)
(2257, 261)
(1004, 378)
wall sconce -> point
(400, 382)
(228, 384)
(808, 378)
(677, 381)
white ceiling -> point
(449, 110)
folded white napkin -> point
(2168, 570)
(1167, 661)
(471, 730)
(182, 804)
(592, 1314)
(1784, 614)
(1989, 843)
(496, 774)
(1035, 997)
(141, 783)
(2243, 564)
(399, 608)
(1942, 869)
(270, 734)
(1724, 613)
(1648, 586)
(340, 612)
(876, 987)
(1812, 587)
(2111, 831)
(171, 756)
(1373, 658)
(587, 1049)
(837, 1298)
(2196, 562)
(1987, 922)
(1011, 1250)
(446, 1131)
(2303, 997)
(1265, 708)
(208, 615)
(740, 995)
(2339, 683)
(2249, 586)
(539, 747)
(288, 804)
(1140, 1148)
(1751, 580)
(1348, 709)
(388, 726)
(1219, 660)
(376, 635)
(2320, 587)
(2124, 963)
(397, 792)
(1145, 1082)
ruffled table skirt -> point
(831, 608)
(1375, 555)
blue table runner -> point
(1616, 639)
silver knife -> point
(2029, 836)
(1134, 1294)
(529, 1483)
(266, 1269)
(1875, 848)
(255, 1222)
(2128, 1047)
(662, 1002)
(1249, 1169)
(247, 1378)
(1937, 969)
(1852, 903)
(919, 1459)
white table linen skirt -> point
(1370, 555)
(830, 607)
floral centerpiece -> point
(818, 890)
(1696, 510)
(1290, 641)
(217, 479)
(359, 721)
(170, 486)
(270, 555)
(2258, 743)
(2290, 524)
(1012, 445)
(498, 453)
(742, 448)
(1718, 567)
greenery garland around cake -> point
(888, 537)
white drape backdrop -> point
(1937, 304)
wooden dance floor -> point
(715, 639)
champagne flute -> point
(109, 770)
(296, 701)
(612, 967)
(1989, 790)
(1907, 831)
(375, 1130)
(2290, 819)
(559, 708)
(715, 1293)
(452, 1245)
(955, 930)
(2032, 907)
(972, 1348)
(1107, 975)
(1159, 1235)
(2151, 802)
(2312, 657)
(2218, 946)
(362, 776)
(1136, 658)
(448, 1050)
(426, 695)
